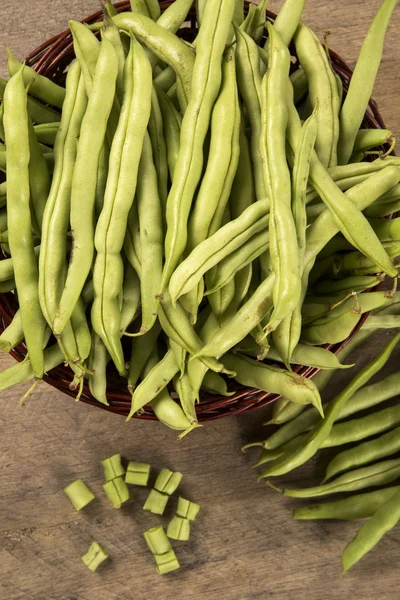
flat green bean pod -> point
(283, 245)
(288, 19)
(359, 479)
(365, 453)
(19, 219)
(272, 379)
(357, 506)
(385, 518)
(38, 112)
(84, 180)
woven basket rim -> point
(51, 58)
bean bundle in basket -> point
(194, 208)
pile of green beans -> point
(191, 214)
(194, 213)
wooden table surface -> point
(244, 545)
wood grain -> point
(244, 545)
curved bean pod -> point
(172, 122)
(97, 363)
(84, 181)
(249, 83)
(366, 139)
(283, 247)
(121, 185)
(38, 112)
(288, 19)
(42, 87)
(52, 258)
(142, 348)
(223, 157)
(322, 89)
(19, 219)
(13, 334)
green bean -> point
(322, 429)
(215, 384)
(242, 192)
(172, 122)
(385, 518)
(84, 182)
(345, 214)
(286, 336)
(258, 21)
(8, 285)
(365, 453)
(335, 326)
(271, 379)
(249, 315)
(151, 236)
(111, 32)
(356, 263)
(187, 396)
(7, 266)
(43, 88)
(175, 323)
(159, 148)
(237, 260)
(81, 330)
(165, 80)
(39, 180)
(46, 133)
(362, 80)
(207, 73)
(13, 334)
(311, 356)
(372, 476)
(288, 19)
(214, 249)
(174, 15)
(142, 348)
(19, 219)
(164, 44)
(87, 49)
(38, 112)
(180, 356)
(132, 247)
(52, 259)
(130, 296)
(238, 14)
(384, 209)
(249, 83)
(300, 85)
(359, 506)
(150, 8)
(121, 184)
(154, 382)
(378, 322)
(23, 372)
(366, 139)
(223, 157)
(322, 90)
(284, 249)
(221, 299)
(98, 360)
(347, 285)
(247, 23)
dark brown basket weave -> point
(51, 59)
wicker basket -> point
(51, 59)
